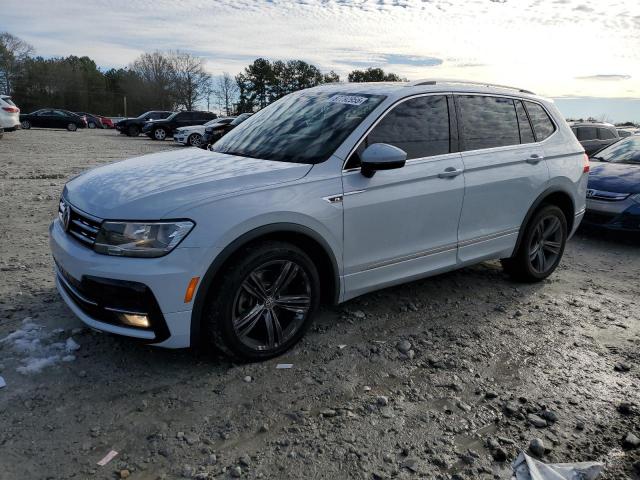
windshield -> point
(301, 127)
(239, 119)
(626, 150)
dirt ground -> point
(448, 378)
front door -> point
(401, 224)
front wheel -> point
(194, 139)
(133, 131)
(72, 127)
(159, 134)
(92, 125)
(263, 303)
(25, 124)
(541, 248)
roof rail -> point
(435, 81)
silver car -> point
(324, 195)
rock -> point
(463, 406)
(625, 408)
(245, 460)
(536, 447)
(580, 425)
(247, 379)
(621, 367)
(404, 346)
(191, 439)
(410, 464)
(359, 314)
(511, 408)
(264, 428)
(631, 441)
(124, 473)
(490, 395)
(187, 471)
(499, 454)
(328, 413)
(213, 459)
(235, 472)
(636, 466)
(550, 416)
(382, 401)
(536, 421)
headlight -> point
(143, 239)
(636, 197)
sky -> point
(585, 53)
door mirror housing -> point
(381, 156)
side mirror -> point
(381, 156)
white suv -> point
(9, 114)
(324, 195)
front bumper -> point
(98, 287)
(180, 138)
(622, 215)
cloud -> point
(606, 78)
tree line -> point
(172, 80)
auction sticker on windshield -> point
(348, 99)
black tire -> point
(194, 140)
(25, 124)
(72, 127)
(231, 309)
(541, 246)
(133, 131)
(1, 132)
(91, 125)
(159, 133)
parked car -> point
(613, 194)
(215, 132)
(626, 132)
(192, 135)
(52, 118)
(161, 129)
(133, 126)
(9, 114)
(324, 195)
(106, 122)
(594, 136)
(93, 121)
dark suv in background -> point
(595, 136)
(161, 129)
(133, 126)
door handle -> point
(534, 159)
(450, 172)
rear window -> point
(542, 124)
(488, 122)
(587, 133)
(605, 134)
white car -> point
(192, 135)
(9, 114)
(324, 195)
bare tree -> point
(190, 79)
(226, 92)
(156, 72)
(13, 52)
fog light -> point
(140, 321)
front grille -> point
(81, 226)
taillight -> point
(585, 164)
(11, 109)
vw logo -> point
(590, 193)
(66, 216)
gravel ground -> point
(448, 377)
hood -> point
(151, 186)
(614, 177)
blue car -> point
(613, 192)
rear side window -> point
(488, 122)
(419, 126)
(542, 124)
(587, 133)
(605, 134)
(526, 132)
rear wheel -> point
(194, 139)
(264, 302)
(72, 127)
(25, 124)
(159, 133)
(133, 131)
(541, 248)
(91, 125)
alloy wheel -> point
(545, 246)
(26, 124)
(271, 305)
(195, 140)
(159, 134)
(72, 127)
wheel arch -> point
(552, 196)
(305, 238)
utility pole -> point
(125, 105)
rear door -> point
(588, 137)
(402, 223)
(504, 173)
